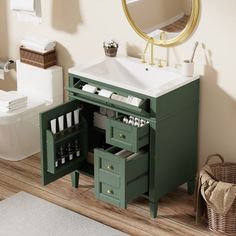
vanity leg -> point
(75, 179)
(153, 209)
(191, 186)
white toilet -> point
(19, 130)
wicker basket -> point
(225, 172)
(42, 60)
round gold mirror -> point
(168, 22)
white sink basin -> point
(131, 74)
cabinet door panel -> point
(63, 152)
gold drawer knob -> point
(122, 136)
(109, 191)
(110, 167)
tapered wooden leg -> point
(191, 186)
(153, 209)
(75, 179)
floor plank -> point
(175, 213)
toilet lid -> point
(30, 110)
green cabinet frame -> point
(172, 138)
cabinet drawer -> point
(110, 164)
(126, 136)
(110, 190)
(128, 179)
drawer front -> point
(130, 181)
(110, 191)
(109, 178)
(109, 162)
(126, 136)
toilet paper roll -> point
(89, 88)
(105, 93)
(5, 65)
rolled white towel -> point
(105, 93)
(39, 45)
(89, 88)
(134, 101)
(103, 110)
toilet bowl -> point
(19, 129)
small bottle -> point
(58, 157)
(77, 150)
(131, 118)
(61, 154)
(56, 163)
(142, 123)
(70, 151)
(125, 120)
(131, 122)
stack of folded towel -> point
(38, 45)
(11, 101)
(100, 117)
(99, 120)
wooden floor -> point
(177, 26)
(175, 216)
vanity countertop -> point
(131, 74)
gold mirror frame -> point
(185, 33)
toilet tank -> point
(40, 84)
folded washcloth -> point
(13, 108)
(8, 99)
(14, 105)
(39, 45)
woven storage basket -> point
(225, 172)
(42, 60)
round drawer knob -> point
(109, 191)
(110, 167)
(122, 136)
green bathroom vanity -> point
(164, 150)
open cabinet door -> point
(64, 151)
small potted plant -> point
(110, 47)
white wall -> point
(187, 7)
(81, 26)
(144, 12)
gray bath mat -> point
(26, 215)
